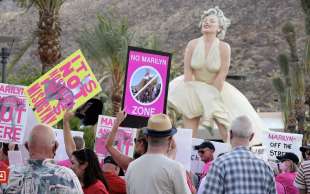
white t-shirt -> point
(156, 174)
(202, 185)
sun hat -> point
(159, 125)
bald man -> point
(40, 174)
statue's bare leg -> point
(222, 130)
(191, 124)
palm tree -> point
(107, 46)
(48, 30)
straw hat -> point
(159, 125)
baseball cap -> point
(289, 156)
(304, 148)
(205, 144)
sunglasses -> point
(201, 151)
(204, 150)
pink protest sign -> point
(146, 85)
(124, 140)
(13, 113)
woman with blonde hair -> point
(287, 172)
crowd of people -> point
(153, 168)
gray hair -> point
(224, 22)
(242, 127)
(156, 141)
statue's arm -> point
(188, 72)
(220, 77)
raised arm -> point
(121, 159)
(219, 79)
(68, 139)
(188, 73)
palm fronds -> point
(50, 5)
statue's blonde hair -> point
(224, 22)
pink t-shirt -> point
(205, 169)
(287, 180)
(66, 163)
(280, 188)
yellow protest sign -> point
(65, 87)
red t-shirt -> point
(98, 188)
(4, 172)
(116, 184)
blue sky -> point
(140, 74)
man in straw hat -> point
(155, 172)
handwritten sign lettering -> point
(124, 140)
(65, 87)
(13, 113)
(277, 144)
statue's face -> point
(210, 24)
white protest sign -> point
(259, 152)
(61, 153)
(124, 140)
(278, 143)
(183, 140)
(13, 113)
(196, 163)
(15, 158)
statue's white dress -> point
(200, 99)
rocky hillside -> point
(255, 33)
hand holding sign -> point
(120, 117)
(68, 116)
